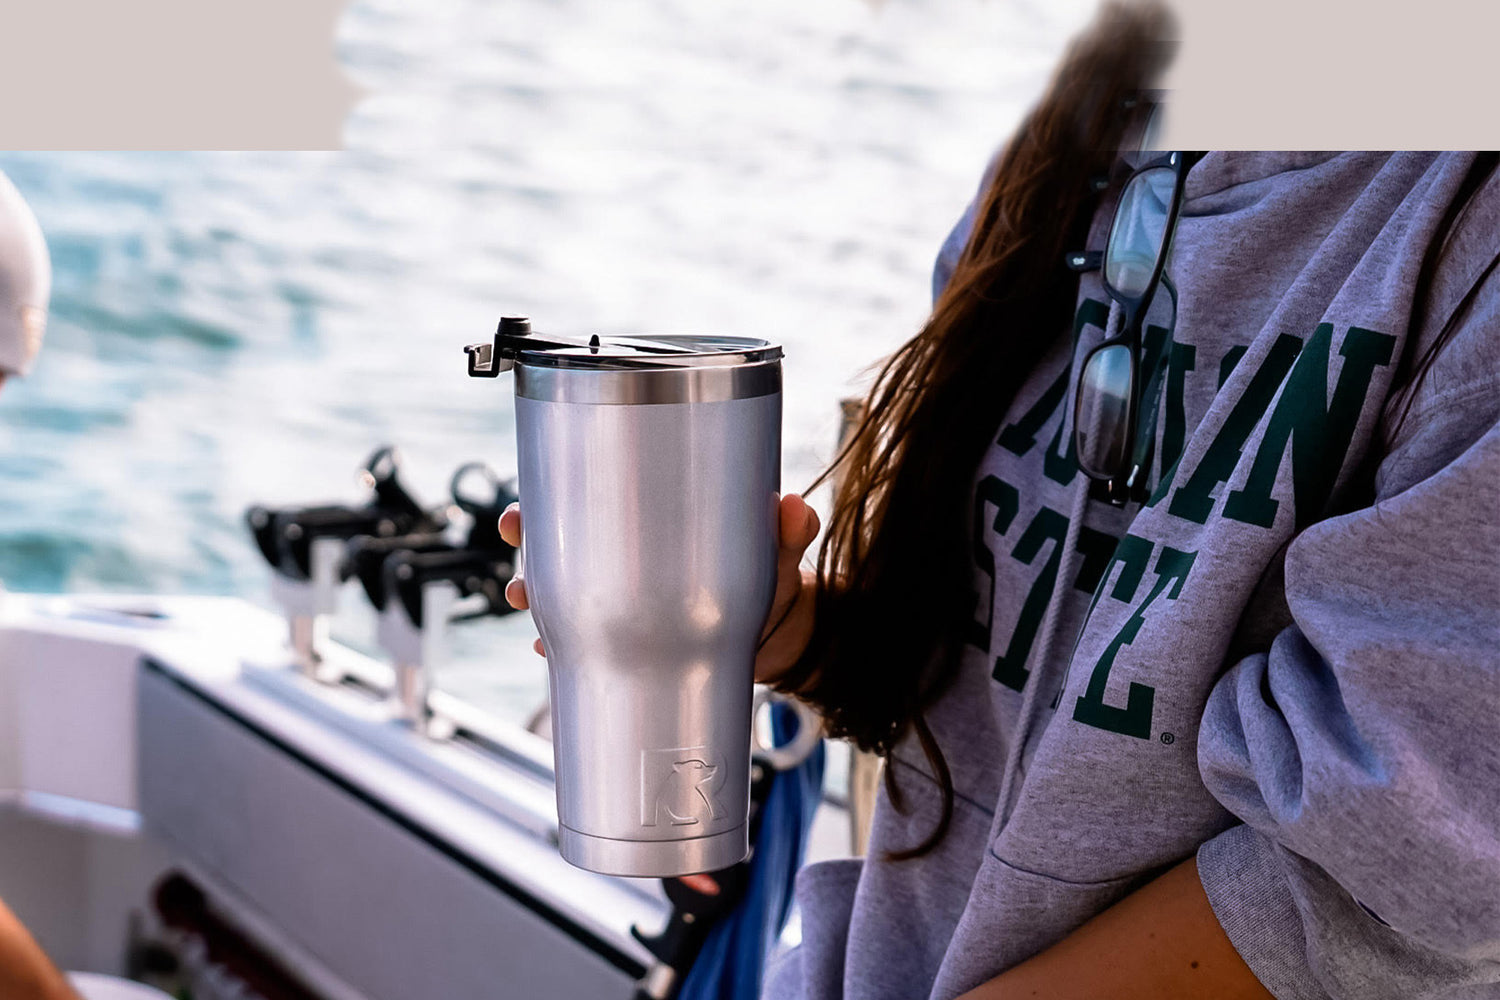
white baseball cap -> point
(25, 282)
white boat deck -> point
(377, 862)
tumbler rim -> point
(647, 385)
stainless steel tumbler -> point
(648, 477)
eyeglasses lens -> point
(1140, 229)
(1104, 394)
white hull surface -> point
(143, 736)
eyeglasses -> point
(1111, 448)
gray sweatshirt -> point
(1262, 666)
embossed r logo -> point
(681, 786)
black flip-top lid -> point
(515, 343)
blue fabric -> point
(729, 967)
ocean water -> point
(230, 328)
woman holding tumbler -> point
(1162, 572)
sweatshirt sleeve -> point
(1362, 750)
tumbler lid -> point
(620, 353)
(515, 343)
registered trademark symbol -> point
(1168, 739)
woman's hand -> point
(789, 625)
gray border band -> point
(656, 385)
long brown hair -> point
(894, 578)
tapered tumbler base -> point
(654, 858)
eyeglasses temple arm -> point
(1083, 261)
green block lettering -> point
(1132, 554)
(991, 492)
(1228, 361)
(1047, 526)
(1019, 437)
(1060, 460)
(1318, 429)
(1097, 548)
(1134, 719)
(1165, 486)
(1193, 500)
(1174, 429)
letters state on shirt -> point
(1287, 392)
(1047, 528)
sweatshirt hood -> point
(1222, 169)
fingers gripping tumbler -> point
(648, 472)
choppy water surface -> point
(230, 328)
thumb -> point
(799, 525)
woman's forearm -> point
(1162, 942)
